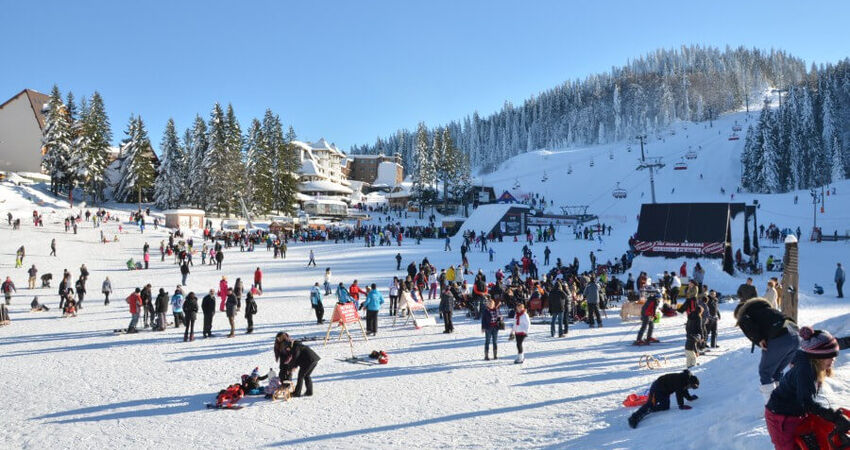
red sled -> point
(228, 397)
(635, 400)
(816, 433)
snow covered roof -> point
(319, 146)
(326, 201)
(184, 211)
(308, 167)
(323, 186)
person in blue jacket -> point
(316, 303)
(797, 393)
(373, 303)
(342, 295)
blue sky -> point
(350, 71)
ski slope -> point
(73, 383)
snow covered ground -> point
(73, 383)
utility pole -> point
(814, 194)
(780, 92)
(651, 164)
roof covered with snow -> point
(323, 186)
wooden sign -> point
(345, 313)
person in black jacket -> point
(190, 313)
(63, 289)
(230, 310)
(305, 359)
(184, 272)
(713, 314)
(775, 333)
(447, 306)
(250, 310)
(660, 391)
(693, 336)
(747, 291)
(80, 286)
(161, 309)
(208, 307)
(148, 305)
(557, 304)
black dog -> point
(45, 280)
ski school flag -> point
(696, 248)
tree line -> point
(805, 142)
(690, 83)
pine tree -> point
(423, 176)
(235, 162)
(830, 138)
(168, 188)
(748, 159)
(197, 177)
(95, 136)
(290, 164)
(260, 186)
(71, 107)
(273, 143)
(766, 177)
(216, 162)
(56, 142)
(137, 170)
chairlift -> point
(736, 128)
(734, 137)
(591, 162)
(691, 155)
(629, 148)
(516, 184)
(569, 169)
(545, 177)
(611, 154)
(619, 192)
(681, 165)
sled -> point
(257, 391)
(635, 400)
(651, 362)
(816, 432)
(214, 406)
(424, 322)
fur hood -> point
(741, 309)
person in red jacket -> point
(135, 302)
(683, 271)
(258, 279)
(222, 293)
(354, 291)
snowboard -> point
(214, 406)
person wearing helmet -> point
(660, 391)
(797, 394)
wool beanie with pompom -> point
(255, 373)
(818, 344)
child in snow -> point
(252, 382)
(797, 393)
(520, 331)
(660, 391)
(35, 306)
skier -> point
(106, 289)
(796, 396)
(208, 308)
(190, 311)
(373, 303)
(316, 303)
(647, 321)
(521, 326)
(660, 391)
(775, 333)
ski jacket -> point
(106, 288)
(135, 302)
(190, 307)
(673, 383)
(177, 303)
(447, 302)
(839, 275)
(797, 393)
(7, 287)
(760, 322)
(393, 289)
(250, 306)
(521, 324)
(354, 291)
(258, 276)
(162, 303)
(490, 319)
(301, 355)
(342, 295)
(315, 296)
(648, 308)
(231, 305)
(746, 292)
(208, 304)
(770, 295)
(374, 300)
(557, 301)
(591, 293)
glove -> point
(684, 407)
(842, 422)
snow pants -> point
(447, 322)
(190, 329)
(393, 305)
(654, 403)
(781, 429)
(593, 311)
(711, 330)
(371, 321)
(134, 321)
(780, 351)
(646, 324)
(320, 312)
(208, 324)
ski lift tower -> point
(650, 163)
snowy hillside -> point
(74, 383)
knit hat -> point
(255, 373)
(818, 344)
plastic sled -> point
(635, 400)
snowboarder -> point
(796, 396)
(660, 391)
(774, 333)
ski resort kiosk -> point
(185, 219)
